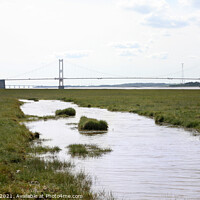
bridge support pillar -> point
(61, 75)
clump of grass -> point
(45, 149)
(36, 118)
(92, 124)
(33, 99)
(47, 117)
(192, 124)
(65, 99)
(159, 119)
(30, 118)
(66, 112)
(86, 150)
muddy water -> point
(147, 161)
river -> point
(148, 161)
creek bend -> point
(147, 162)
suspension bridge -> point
(61, 78)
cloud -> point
(73, 54)
(192, 3)
(192, 6)
(162, 56)
(184, 2)
(157, 13)
(143, 6)
(127, 49)
(166, 34)
(196, 3)
(126, 45)
(158, 21)
(127, 53)
(193, 57)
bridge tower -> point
(61, 75)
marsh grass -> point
(33, 99)
(178, 107)
(87, 150)
(90, 124)
(39, 149)
(30, 118)
(48, 177)
(65, 99)
(174, 107)
(91, 133)
(66, 112)
(23, 173)
(40, 141)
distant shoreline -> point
(133, 85)
(122, 88)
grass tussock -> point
(86, 150)
(90, 124)
(66, 112)
(45, 149)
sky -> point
(99, 38)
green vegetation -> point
(37, 118)
(65, 99)
(21, 172)
(45, 149)
(175, 107)
(33, 99)
(86, 150)
(37, 176)
(66, 112)
(90, 124)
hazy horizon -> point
(98, 39)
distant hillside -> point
(136, 85)
(189, 84)
(116, 85)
